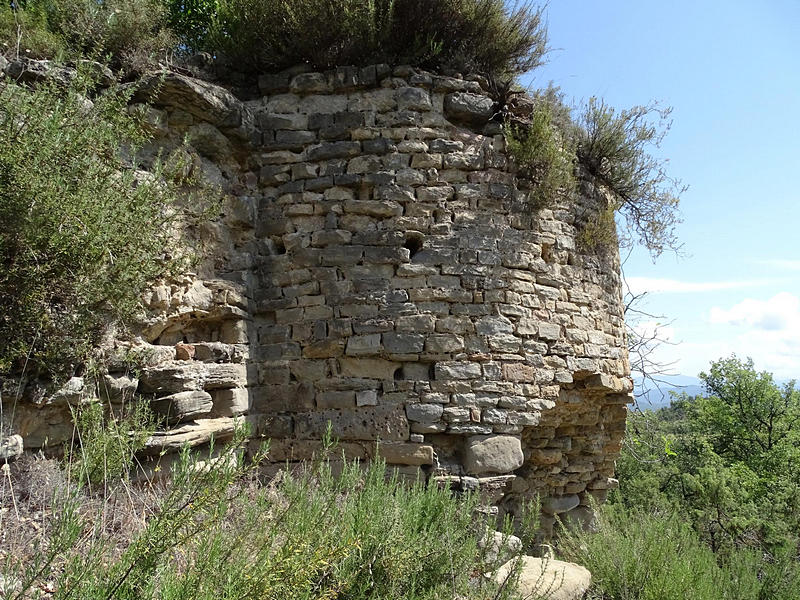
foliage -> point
(330, 529)
(191, 21)
(25, 33)
(543, 148)
(733, 494)
(130, 34)
(640, 555)
(106, 441)
(82, 232)
(482, 36)
(746, 415)
(615, 148)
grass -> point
(640, 555)
(214, 530)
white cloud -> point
(779, 313)
(780, 263)
(639, 285)
(767, 330)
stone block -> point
(230, 403)
(492, 454)
(424, 413)
(387, 423)
(368, 368)
(363, 345)
(336, 399)
(560, 504)
(403, 343)
(457, 370)
(406, 454)
(183, 406)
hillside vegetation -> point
(709, 500)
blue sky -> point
(731, 72)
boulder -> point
(547, 578)
(493, 454)
(10, 447)
(498, 548)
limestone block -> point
(371, 368)
(403, 343)
(498, 548)
(230, 403)
(336, 399)
(192, 434)
(406, 454)
(172, 378)
(224, 375)
(387, 423)
(363, 345)
(444, 343)
(457, 370)
(547, 578)
(492, 454)
(469, 108)
(411, 98)
(494, 325)
(117, 387)
(183, 406)
(424, 412)
(560, 504)
(11, 447)
(367, 398)
(374, 208)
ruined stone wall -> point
(380, 267)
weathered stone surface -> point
(492, 454)
(406, 454)
(547, 578)
(498, 548)
(424, 413)
(386, 423)
(372, 266)
(11, 447)
(183, 406)
(463, 107)
(558, 505)
(191, 434)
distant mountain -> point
(650, 396)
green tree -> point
(747, 415)
(83, 231)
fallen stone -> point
(498, 548)
(547, 578)
(10, 448)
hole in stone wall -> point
(547, 253)
(414, 242)
(280, 248)
(398, 374)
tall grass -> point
(215, 531)
(637, 555)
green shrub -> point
(82, 232)
(637, 555)
(543, 149)
(25, 33)
(131, 35)
(466, 35)
(215, 533)
(192, 21)
(106, 441)
(615, 148)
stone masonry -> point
(379, 268)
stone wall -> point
(380, 268)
